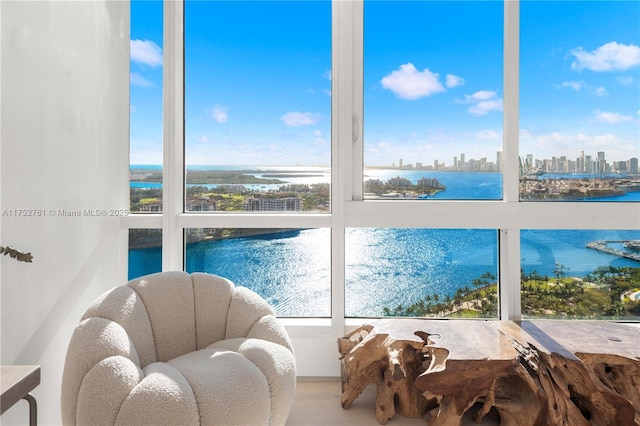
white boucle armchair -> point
(178, 349)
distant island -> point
(290, 175)
(400, 187)
(210, 177)
(575, 189)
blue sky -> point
(258, 90)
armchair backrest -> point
(168, 314)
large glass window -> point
(145, 137)
(590, 274)
(451, 273)
(145, 252)
(294, 118)
(290, 268)
(258, 106)
(579, 97)
(433, 100)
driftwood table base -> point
(529, 373)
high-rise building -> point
(400, 163)
(581, 163)
(265, 204)
(633, 165)
(588, 164)
(601, 163)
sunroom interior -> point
(66, 118)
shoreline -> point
(150, 242)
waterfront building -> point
(583, 164)
(399, 182)
(429, 183)
(192, 204)
(562, 166)
(267, 204)
(201, 204)
(601, 163)
(588, 164)
(153, 207)
(620, 166)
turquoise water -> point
(384, 267)
(541, 249)
(291, 270)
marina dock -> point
(603, 246)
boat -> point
(632, 245)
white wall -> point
(64, 123)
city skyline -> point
(431, 89)
(584, 163)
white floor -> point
(318, 403)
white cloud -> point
(138, 80)
(327, 74)
(487, 135)
(525, 134)
(580, 85)
(626, 80)
(481, 95)
(611, 117)
(220, 113)
(409, 83)
(484, 102)
(611, 56)
(485, 107)
(203, 139)
(605, 142)
(453, 81)
(575, 85)
(600, 91)
(551, 137)
(547, 145)
(384, 145)
(296, 118)
(146, 52)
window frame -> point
(348, 209)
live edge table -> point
(17, 382)
(528, 373)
